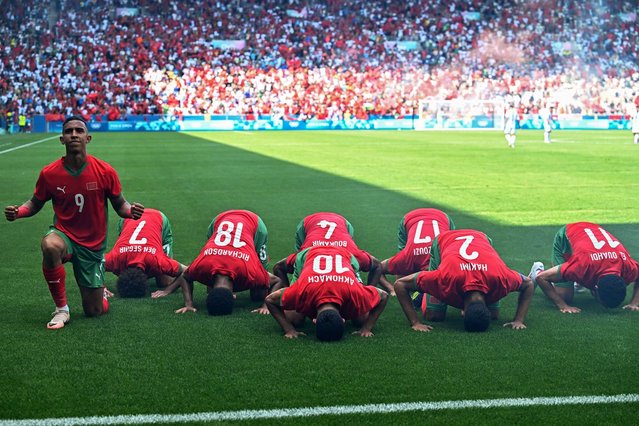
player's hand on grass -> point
(364, 333)
(186, 309)
(421, 327)
(262, 310)
(294, 334)
(516, 325)
(570, 310)
(631, 307)
(159, 293)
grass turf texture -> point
(142, 358)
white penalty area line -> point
(28, 144)
(245, 415)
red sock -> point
(105, 305)
(56, 280)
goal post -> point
(458, 114)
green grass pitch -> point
(142, 358)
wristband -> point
(23, 211)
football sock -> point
(56, 280)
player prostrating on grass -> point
(78, 186)
(234, 259)
(327, 290)
(417, 230)
(144, 249)
(587, 254)
(466, 272)
(326, 229)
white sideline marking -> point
(28, 144)
(321, 411)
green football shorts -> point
(88, 265)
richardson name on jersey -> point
(137, 249)
(330, 243)
(225, 252)
(331, 278)
(473, 267)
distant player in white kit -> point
(510, 125)
(635, 126)
(546, 119)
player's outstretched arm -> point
(373, 315)
(375, 272)
(403, 286)
(523, 303)
(28, 209)
(634, 302)
(544, 280)
(186, 283)
(275, 308)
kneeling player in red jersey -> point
(587, 254)
(417, 231)
(467, 273)
(233, 259)
(327, 290)
(326, 229)
(78, 186)
(144, 249)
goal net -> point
(438, 114)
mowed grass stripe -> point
(368, 409)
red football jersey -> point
(328, 277)
(325, 229)
(468, 263)
(231, 251)
(140, 245)
(80, 199)
(596, 252)
(421, 227)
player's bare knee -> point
(53, 247)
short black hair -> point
(476, 316)
(132, 282)
(74, 118)
(329, 326)
(611, 290)
(220, 301)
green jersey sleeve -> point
(211, 229)
(300, 258)
(351, 230)
(451, 224)
(120, 225)
(402, 235)
(167, 236)
(261, 240)
(300, 235)
(435, 256)
(560, 246)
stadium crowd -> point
(327, 59)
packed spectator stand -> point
(329, 59)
